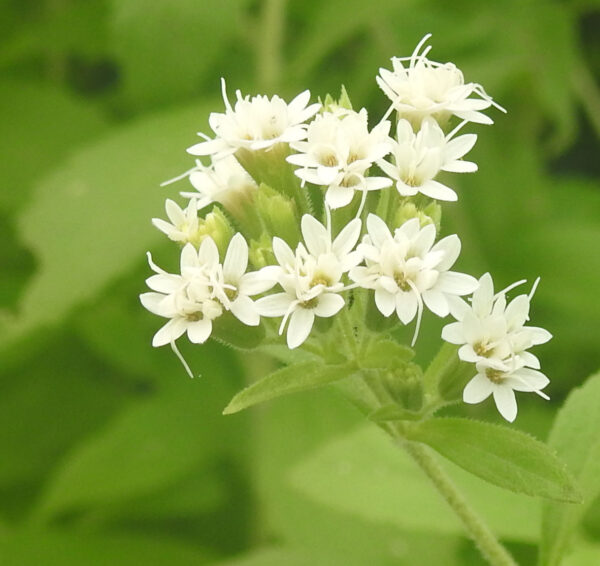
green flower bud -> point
(260, 253)
(216, 225)
(332, 105)
(430, 214)
(277, 214)
(405, 385)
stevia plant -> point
(315, 238)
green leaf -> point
(35, 547)
(500, 455)
(366, 474)
(181, 38)
(576, 438)
(392, 412)
(290, 379)
(79, 224)
(31, 115)
(149, 446)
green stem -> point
(486, 542)
(270, 42)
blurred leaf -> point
(41, 124)
(287, 380)
(47, 406)
(149, 446)
(35, 547)
(60, 29)
(79, 224)
(500, 455)
(366, 474)
(584, 554)
(576, 438)
(165, 47)
(278, 557)
(288, 432)
(385, 353)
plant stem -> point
(486, 542)
(270, 41)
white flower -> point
(427, 88)
(406, 270)
(256, 123)
(492, 332)
(187, 300)
(238, 286)
(198, 295)
(225, 181)
(502, 385)
(418, 158)
(310, 278)
(493, 335)
(338, 152)
(184, 223)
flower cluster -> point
(493, 336)
(342, 218)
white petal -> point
(245, 310)
(483, 296)
(385, 301)
(347, 238)
(527, 379)
(406, 306)
(436, 190)
(450, 246)
(456, 283)
(460, 146)
(378, 230)
(283, 253)
(157, 303)
(329, 304)
(337, 197)
(315, 235)
(301, 323)
(208, 254)
(453, 333)
(477, 390)
(506, 403)
(169, 332)
(256, 282)
(199, 331)
(436, 302)
(274, 305)
(236, 259)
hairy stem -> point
(486, 542)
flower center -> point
(320, 280)
(231, 294)
(194, 316)
(482, 349)
(401, 281)
(310, 303)
(494, 375)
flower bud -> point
(405, 385)
(217, 226)
(277, 214)
(261, 253)
(335, 106)
(430, 214)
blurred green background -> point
(109, 454)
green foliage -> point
(101, 203)
(361, 473)
(290, 379)
(118, 456)
(500, 455)
(575, 439)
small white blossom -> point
(224, 181)
(407, 270)
(418, 158)
(493, 335)
(338, 152)
(186, 299)
(184, 223)
(311, 277)
(198, 295)
(256, 123)
(428, 88)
